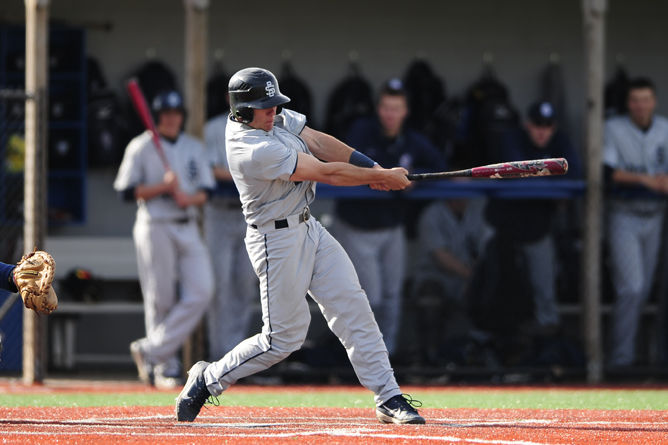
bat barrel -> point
(515, 169)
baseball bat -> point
(139, 102)
(514, 169)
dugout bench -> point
(110, 260)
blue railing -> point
(554, 188)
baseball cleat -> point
(143, 367)
(399, 410)
(193, 395)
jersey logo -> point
(660, 155)
(192, 171)
(270, 89)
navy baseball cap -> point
(393, 86)
(542, 114)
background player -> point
(229, 314)
(635, 152)
(372, 230)
(275, 162)
(169, 247)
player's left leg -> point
(345, 307)
(344, 304)
(542, 277)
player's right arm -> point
(130, 180)
(169, 185)
(309, 168)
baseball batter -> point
(635, 152)
(170, 250)
(275, 160)
(229, 315)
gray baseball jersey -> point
(141, 165)
(261, 164)
(293, 258)
(627, 147)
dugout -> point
(517, 38)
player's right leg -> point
(156, 258)
(283, 261)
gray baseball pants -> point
(634, 242)
(171, 254)
(289, 263)
(229, 315)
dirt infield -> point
(260, 425)
(244, 425)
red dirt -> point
(254, 425)
(150, 425)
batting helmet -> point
(167, 100)
(253, 88)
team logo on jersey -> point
(270, 89)
(661, 155)
(192, 171)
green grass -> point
(452, 398)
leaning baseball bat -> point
(514, 169)
(141, 107)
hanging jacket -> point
(426, 91)
(299, 93)
(350, 99)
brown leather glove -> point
(33, 276)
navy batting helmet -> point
(167, 100)
(253, 88)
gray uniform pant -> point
(379, 259)
(540, 258)
(229, 315)
(634, 243)
(289, 263)
(169, 254)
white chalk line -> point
(241, 422)
(334, 433)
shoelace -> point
(211, 400)
(411, 401)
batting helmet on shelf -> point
(253, 88)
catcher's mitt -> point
(33, 276)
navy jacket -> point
(528, 220)
(410, 150)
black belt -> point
(283, 223)
(184, 220)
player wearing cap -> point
(170, 250)
(527, 223)
(372, 230)
(275, 161)
(635, 153)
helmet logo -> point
(270, 89)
